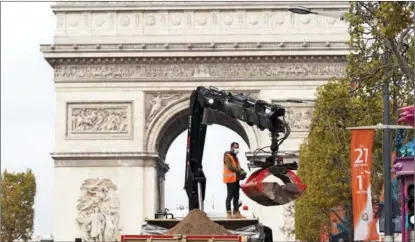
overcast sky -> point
(28, 116)
(28, 100)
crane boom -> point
(254, 112)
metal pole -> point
(412, 233)
(199, 194)
(387, 161)
(413, 18)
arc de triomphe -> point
(123, 75)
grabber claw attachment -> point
(272, 193)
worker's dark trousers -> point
(233, 193)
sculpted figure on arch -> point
(98, 210)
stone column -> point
(153, 193)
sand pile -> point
(198, 223)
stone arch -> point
(172, 120)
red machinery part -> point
(272, 193)
(406, 115)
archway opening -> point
(218, 140)
(171, 145)
(179, 124)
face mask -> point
(236, 151)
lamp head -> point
(299, 10)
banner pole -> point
(387, 161)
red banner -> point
(361, 164)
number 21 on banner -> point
(363, 153)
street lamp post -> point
(413, 18)
(387, 176)
(386, 140)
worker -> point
(232, 174)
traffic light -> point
(410, 207)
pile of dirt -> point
(198, 223)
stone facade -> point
(123, 75)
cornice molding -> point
(109, 159)
(198, 59)
(93, 155)
(191, 5)
(195, 47)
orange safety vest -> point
(228, 175)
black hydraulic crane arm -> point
(239, 106)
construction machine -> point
(254, 112)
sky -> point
(28, 116)
(28, 100)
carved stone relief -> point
(206, 70)
(86, 120)
(159, 102)
(214, 22)
(99, 210)
(155, 102)
(299, 118)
